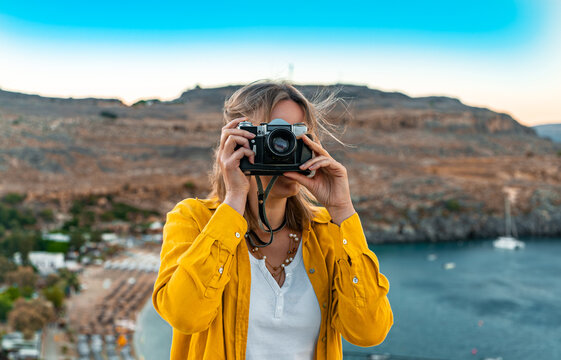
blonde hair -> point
(256, 102)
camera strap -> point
(262, 198)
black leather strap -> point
(262, 198)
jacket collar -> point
(321, 215)
(211, 204)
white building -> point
(46, 262)
(156, 226)
(109, 237)
(58, 237)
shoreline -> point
(143, 337)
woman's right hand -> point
(236, 182)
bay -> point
(463, 300)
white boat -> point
(449, 266)
(509, 241)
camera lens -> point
(281, 142)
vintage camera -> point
(276, 148)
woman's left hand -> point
(329, 185)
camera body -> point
(276, 148)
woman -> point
(293, 299)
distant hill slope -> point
(551, 131)
(368, 107)
(420, 168)
(386, 110)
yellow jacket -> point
(204, 282)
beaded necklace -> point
(278, 271)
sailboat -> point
(509, 241)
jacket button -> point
(344, 241)
(238, 235)
(324, 338)
(312, 270)
(324, 305)
(221, 270)
(355, 279)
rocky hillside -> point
(428, 168)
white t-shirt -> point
(284, 321)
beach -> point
(112, 296)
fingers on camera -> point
(228, 133)
(232, 124)
(316, 147)
(313, 161)
(241, 152)
(321, 163)
(234, 140)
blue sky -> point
(456, 16)
(496, 53)
(492, 22)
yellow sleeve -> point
(361, 311)
(196, 261)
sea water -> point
(463, 300)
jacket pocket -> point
(221, 274)
(352, 283)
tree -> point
(55, 295)
(12, 293)
(70, 279)
(76, 239)
(22, 241)
(13, 198)
(51, 280)
(5, 306)
(47, 214)
(24, 278)
(30, 316)
(6, 265)
(95, 236)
